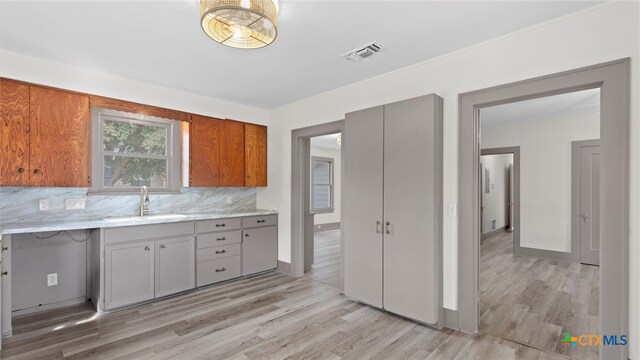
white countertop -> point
(60, 225)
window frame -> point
(173, 151)
(331, 207)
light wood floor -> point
(271, 316)
(326, 259)
(535, 301)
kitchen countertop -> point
(107, 222)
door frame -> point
(515, 221)
(301, 218)
(613, 79)
(576, 246)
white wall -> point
(44, 72)
(333, 217)
(545, 174)
(495, 202)
(599, 34)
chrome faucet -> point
(144, 201)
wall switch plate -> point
(43, 205)
(75, 204)
(229, 199)
(52, 279)
(453, 210)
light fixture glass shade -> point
(244, 24)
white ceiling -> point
(550, 107)
(161, 41)
(326, 142)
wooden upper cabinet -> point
(255, 152)
(60, 139)
(231, 153)
(14, 133)
(204, 151)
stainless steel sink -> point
(151, 218)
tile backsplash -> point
(21, 204)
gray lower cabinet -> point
(175, 266)
(259, 249)
(129, 273)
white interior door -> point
(590, 205)
(362, 205)
(412, 204)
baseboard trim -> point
(545, 254)
(450, 319)
(484, 237)
(327, 226)
(56, 305)
(284, 267)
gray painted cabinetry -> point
(392, 207)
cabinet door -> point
(129, 273)
(412, 207)
(259, 250)
(59, 138)
(175, 265)
(362, 205)
(232, 153)
(14, 133)
(255, 147)
(204, 151)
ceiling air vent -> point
(364, 52)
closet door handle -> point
(378, 223)
(387, 228)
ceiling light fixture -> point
(243, 24)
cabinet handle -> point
(221, 251)
(20, 170)
(261, 221)
(36, 171)
(162, 246)
(146, 248)
(221, 270)
(220, 239)
(246, 235)
(378, 223)
(4, 248)
(387, 228)
(4, 273)
(220, 225)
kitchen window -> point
(131, 150)
(322, 187)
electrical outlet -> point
(75, 204)
(52, 279)
(43, 205)
(229, 199)
(453, 210)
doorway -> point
(612, 79)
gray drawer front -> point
(217, 225)
(206, 271)
(141, 232)
(257, 221)
(218, 252)
(219, 239)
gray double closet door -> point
(392, 207)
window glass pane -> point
(321, 196)
(131, 138)
(121, 171)
(321, 172)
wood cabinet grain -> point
(232, 153)
(14, 133)
(255, 151)
(131, 107)
(204, 151)
(59, 138)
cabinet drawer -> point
(217, 225)
(219, 239)
(256, 221)
(218, 252)
(213, 271)
(141, 232)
